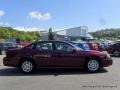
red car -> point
(55, 54)
(93, 46)
(114, 49)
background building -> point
(75, 33)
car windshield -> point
(78, 48)
(75, 45)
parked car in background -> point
(101, 46)
(114, 49)
(23, 44)
(4, 46)
(55, 54)
(93, 46)
(86, 45)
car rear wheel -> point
(27, 66)
(116, 53)
(93, 65)
(3, 52)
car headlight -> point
(108, 55)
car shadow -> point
(55, 72)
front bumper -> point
(11, 61)
(107, 62)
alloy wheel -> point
(27, 66)
(93, 65)
(116, 53)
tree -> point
(9, 32)
(50, 34)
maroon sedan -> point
(55, 54)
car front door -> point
(42, 54)
(66, 56)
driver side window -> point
(63, 47)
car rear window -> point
(9, 45)
(44, 46)
(1, 45)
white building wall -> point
(71, 32)
(74, 32)
(61, 32)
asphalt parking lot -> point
(61, 79)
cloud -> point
(39, 16)
(2, 13)
(27, 28)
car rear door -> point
(42, 54)
(65, 56)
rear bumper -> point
(11, 61)
(107, 62)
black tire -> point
(116, 53)
(27, 66)
(3, 52)
(93, 65)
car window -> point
(63, 47)
(31, 46)
(44, 46)
(84, 46)
(8, 45)
(117, 44)
(1, 45)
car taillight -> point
(10, 53)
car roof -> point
(4, 42)
(52, 41)
(55, 41)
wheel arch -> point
(88, 58)
(26, 58)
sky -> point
(60, 14)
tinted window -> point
(8, 45)
(117, 44)
(1, 45)
(44, 46)
(30, 46)
(63, 46)
(84, 46)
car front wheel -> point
(93, 65)
(27, 67)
